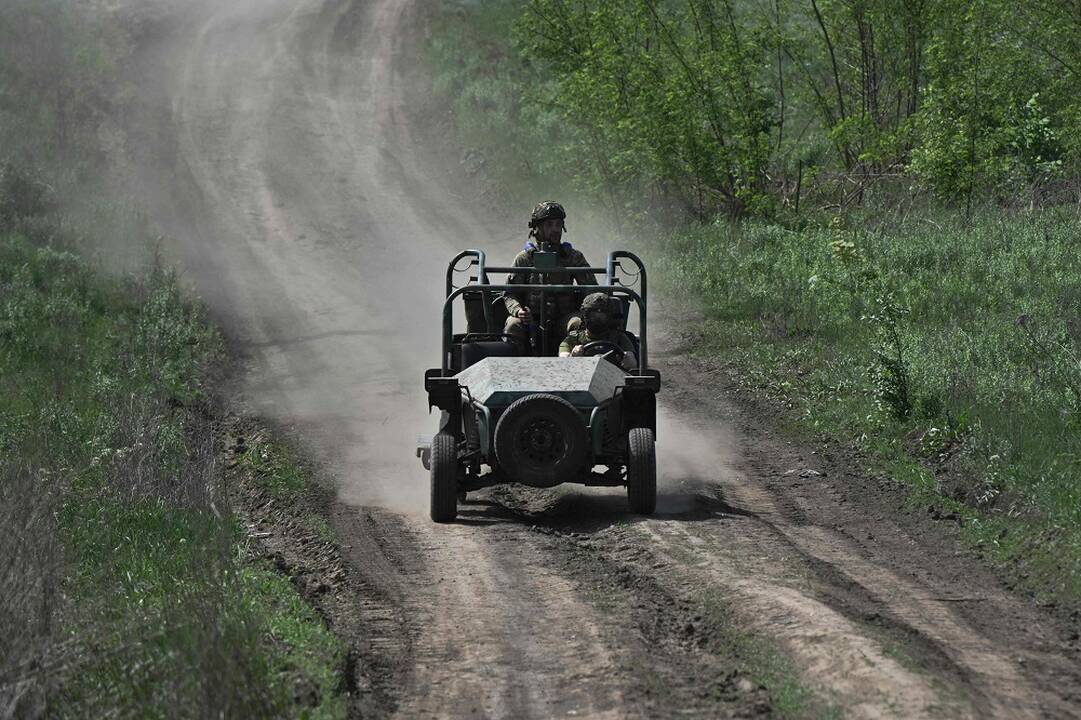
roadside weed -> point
(122, 574)
(947, 349)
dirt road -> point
(285, 144)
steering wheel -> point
(613, 353)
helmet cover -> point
(595, 301)
(545, 211)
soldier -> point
(599, 324)
(546, 228)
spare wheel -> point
(541, 440)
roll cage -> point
(479, 283)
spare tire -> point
(541, 440)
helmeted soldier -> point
(599, 313)
(546, 227)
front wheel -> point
(642, 471)
(444, 470)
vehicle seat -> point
(621, 310)
(475, 301)
(474, 312)
(474, 352)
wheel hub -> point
(541, 441)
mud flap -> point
(636, 408)
(445, 393)
(424, 450)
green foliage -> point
(972, 338)
(706, 106)
(664, 95)
(57, 66)
(145, 607)
(485, 82)
(624, 98)
(889, 370)
(987, 119)
(272, 467)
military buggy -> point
(515, 414)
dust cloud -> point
(270, 150)
(692, 454)
(283, 148)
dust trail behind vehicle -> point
(287, 171)
(304, 233)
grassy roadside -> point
(945, 352)
(128, 587)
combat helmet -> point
(597, 313)
(545, 211)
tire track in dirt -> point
(288, 119)
(984, 651)
(496, 660)
(313, 221)
(730, 554)
(832, 650)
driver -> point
(598, 325)
(546, 227)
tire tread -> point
(444, 476)
(642, 471)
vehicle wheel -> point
(444, 507)
(541, 440)
(642, 471)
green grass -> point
(273, 467)
(948, 352)
(127, 590)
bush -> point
(22, 196)
(700, 107)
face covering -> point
(598, 323)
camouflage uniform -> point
(616, 337)
(566, 304)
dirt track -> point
(280, 144)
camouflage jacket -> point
(566, 302)
(581, 337)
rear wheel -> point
(444, 462)
(642, 471)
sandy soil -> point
(280, 143)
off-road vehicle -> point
(512, 413)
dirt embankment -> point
(279, 143)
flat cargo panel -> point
(584, 382)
